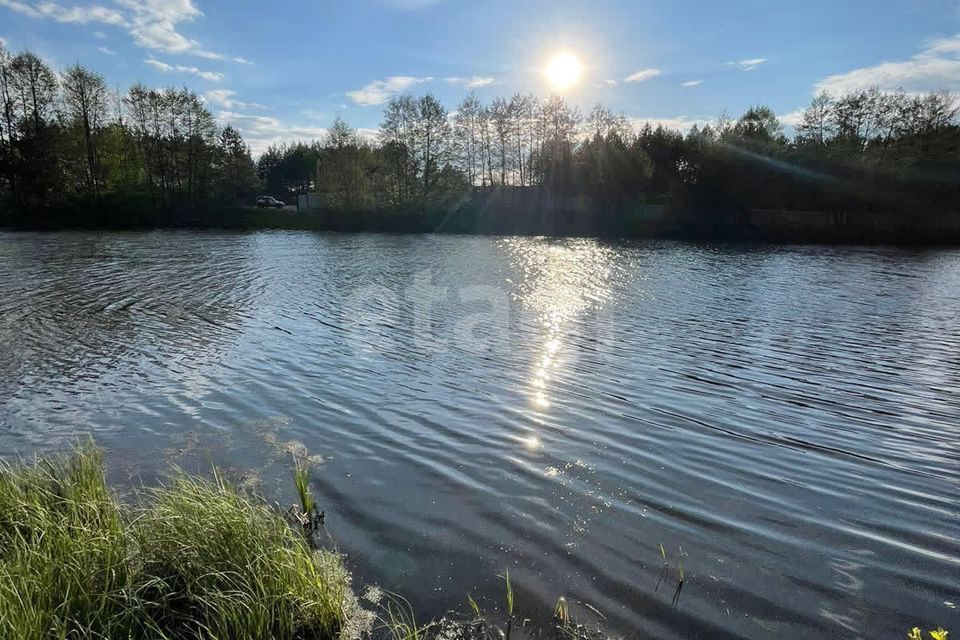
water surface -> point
(788, 417)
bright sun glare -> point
(563, 70)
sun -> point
(563, 70)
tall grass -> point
(306, 515)
(196, 560)
(252, 576)
(301, 478)
(398, 620)
(65, 556)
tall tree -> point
(815, 125)
(522, 112)
(85, 98)
(341, 159)
(467, 135)
(501, 120)
(560, 122)
(398, 135)
(36, 86)
(237, 176)
(8, 130)
(29, 93)
(759, 124)
(433, 134)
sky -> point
(281, 70)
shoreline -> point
(772, 226)
(197, 557)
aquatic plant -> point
(665, 570)
(474, 606)
(682, 576)
(561, 612)
(509, 602)
(398, 618)
(301, 477)
(306, 515)
(564, 625)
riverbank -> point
(531, 212)
(199, 558)
(194, 558)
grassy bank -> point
(197, 559)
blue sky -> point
(280, 69)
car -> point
(265, 202)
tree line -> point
(860, 151)
(69, 142)
(426, 156)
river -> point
(784, 421)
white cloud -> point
(949, 45)
(935, 67)
(380, 91)
(81, 15)
(749, 64)
(107, 51)
(100, 34)
(152, 23)
(313, 114)
(692, 83)
(678, 123)
(473, 82)
(210, 55)
(224, 98)
(3, 41)
(370, 135)
(211, 76)
(642, 75)
(791, 119)
(262, 131)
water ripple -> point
(785, 416)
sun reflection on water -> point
(558, 280)
(532, 442)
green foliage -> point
(159, 148)
(65, 556)
(474, 607)
(251, 576)
(197, 560)
(398, 618)
(482, 627)
(509, 600)
(301, 478)
(235, 174)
